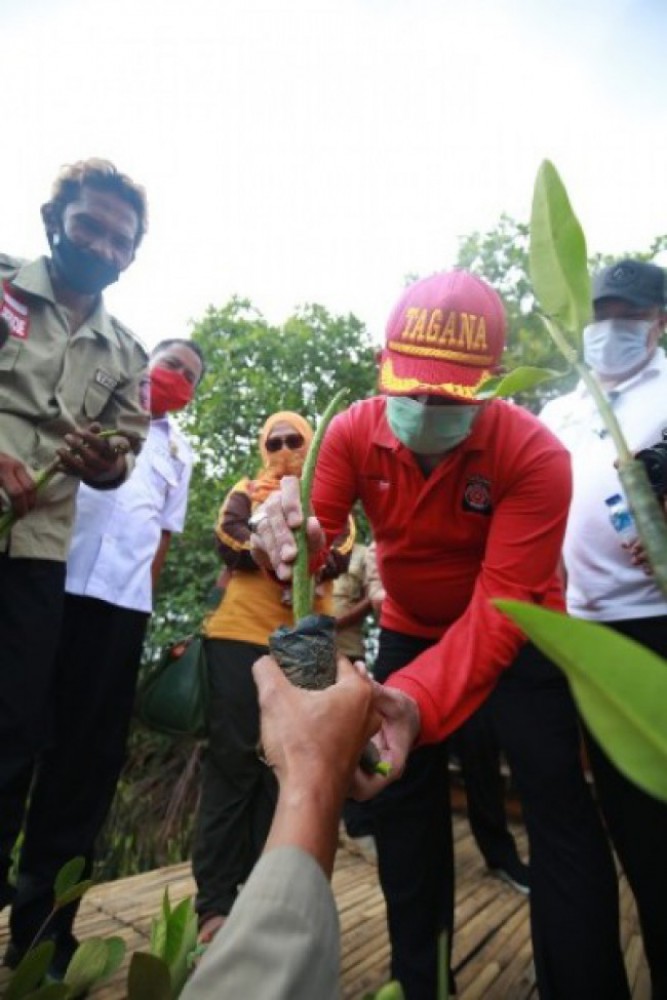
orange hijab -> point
(281, 463)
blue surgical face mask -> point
(430, 430)
(614, 347)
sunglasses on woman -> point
(291, 441)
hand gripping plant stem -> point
(302, 582)
(306, 625)
(44, 477)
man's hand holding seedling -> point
(272, 542)
(273, 546)
(93, 456)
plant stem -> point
(43, 478)
(302, 587)
(10, 517)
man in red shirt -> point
(467, 502)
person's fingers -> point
(268, 677)
(315, 535)
(275, 535)
(344, 668)
(361, 668)
(19, 486)
(366, 786)
(290, 494)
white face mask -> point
(615, 347)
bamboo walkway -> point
(492, 952)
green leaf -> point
(558, 265)
(159, 924)
(116, 949)
(88, 964)
(519, 380)
(181, 940)
(50, 991)
(619, 686)
(148, 978)
(74, 893)
(68, 876)
(30, 971)
(390, 991)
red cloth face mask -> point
(170, 391)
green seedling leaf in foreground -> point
(518, 380)
(619, 686)
(51, 991)
(390, 991)
(558, 264)
(31, 971)
(159, 927)
(181, 941)
(87, 965)
(148, 978)
(116, 949)
(68, 876)
(76, 892)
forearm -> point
(356, 613)
(159, 557)
(307, 817)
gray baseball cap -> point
(633, 280)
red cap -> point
(445, 337)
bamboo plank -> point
(492, 950)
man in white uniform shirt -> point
(605, 582)
(118, 547)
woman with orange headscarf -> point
(239, 791)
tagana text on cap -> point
(445, 337)
(635, 281)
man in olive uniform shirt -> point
(67, 370)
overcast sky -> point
(320, 150)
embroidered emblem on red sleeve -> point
(14, 312)
(477, 495)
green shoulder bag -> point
(174, 697)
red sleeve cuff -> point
(434, 723)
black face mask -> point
(83, 271)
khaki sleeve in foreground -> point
(282, 939)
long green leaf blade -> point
(31, 970)
(148, 978)
(619, 686)
(68, 876)
(558, 264)
(87, 965)
(518, 380)
(181, 941)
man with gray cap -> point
(606, 581)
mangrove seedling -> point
(306, 651)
